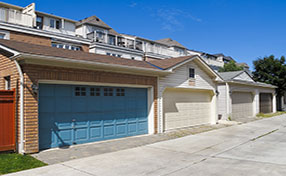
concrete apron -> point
(255, 148)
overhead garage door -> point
(265, 102)
(186, 108)
(79, 114)
(241, 105)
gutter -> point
(252, 84)
(21, 145)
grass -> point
(261, 115)
(12, 162)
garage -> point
(265, 103)
(183, 108)
(72, 114)
(242, 105)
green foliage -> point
(12, 162)
(231, 66)
(261, 115)
(271, 70)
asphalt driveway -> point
(255, 148)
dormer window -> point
(56, 24)
(39, 22)
(191, 73)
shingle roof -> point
(94, 20)
(170, 42)
(69, 54)
(229, 75)
(170, 62)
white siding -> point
(222, 104)
(244, 77)
(181, 78)
(225, 97)
(69, 27)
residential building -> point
(242, 97)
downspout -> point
(21, 145)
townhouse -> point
(81, 81)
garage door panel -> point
(186, 108)
(265, 102)
(242, 105)
(102, 113)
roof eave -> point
(102, 65)
(251, 84)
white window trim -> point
(6, 34)
(189, 73)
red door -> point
(7, 120)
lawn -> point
(261, 115)
(12, 162)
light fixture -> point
(35, 88)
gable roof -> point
(95, 21)
(170, 42)
(230, 75)
(172, 63)
(26, 48)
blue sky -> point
(243, 29)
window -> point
(120, 92)
(132, 58)
(58, 24)
(114, 55)
(52, 23)
(7, 82)
(108, 54)
(80, 91)
(2, 36)
(111, 40)
(39, 22)
(191, 73)
(108, 91)
(118, 55)
(55, 23)
(94, 91)
(66, 46)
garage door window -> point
(80, 91)
(120, 92)
(108, 91)
(94, 92)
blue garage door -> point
(71, 114)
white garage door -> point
(241, 105)
(184, 108)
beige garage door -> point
(265, 102)
(241, 105)
(183, 108)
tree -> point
(271, 70)
(231, 66)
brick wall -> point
(27, 38)
(8, 68)
(34, 73)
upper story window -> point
(7, 82)
(56, 24)
(39, 22)
(2, 36)
(191, 73)
(111, 40)
(66, 46)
